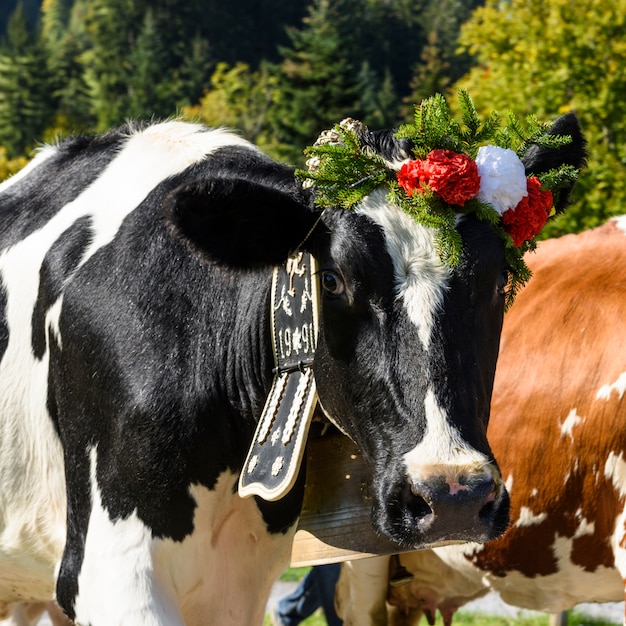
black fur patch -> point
(59, 263)
(4, 329)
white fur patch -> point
(528, 518)
(620, 221)
(117, 565)
(420, 276)
(32, 488)
(442, 451)
(508, 483)
(585, 527)
(553, 593)
(220, 575)
(567, 427)
(619, 386)
(615, 471)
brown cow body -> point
(558, 429)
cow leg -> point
(362, 592)
(25, 614)
(57, 616)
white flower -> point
(502, 177)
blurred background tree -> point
(27, 102)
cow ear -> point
(240, 222)
(538, 160)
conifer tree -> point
(439, 63)
(431, 74)
(148, 91)
(73, 97)
(55, 19)
(319, 75)
(378, 99)
(112, 27)
(26, 99)
(193, 75)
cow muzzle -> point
(446, 507)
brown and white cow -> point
(558, 429)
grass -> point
(477, 619)
(461, 618)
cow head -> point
(405, 364)
(408, 342)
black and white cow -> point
(136, 356)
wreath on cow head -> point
(458, 168)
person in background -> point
(316, 589)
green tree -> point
(174, 53)
(431, 75)
(319, 75)
(73, 96)
(378, 99)
(29, 7)
(239, 98)
(26, 101)
(112, 27)
(148, 93)
(193, 73)
(55, 17)
(550, 58)
(440, 63)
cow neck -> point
(276, 452)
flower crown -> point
(453, 173)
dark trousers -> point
(316, 589)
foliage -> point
(8, 7)
(552, 58)
(146, 90)
(26, 101)
(440, 64)
(240, 99)
(318, 75)
(8, 167)
(378, 100)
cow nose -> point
(466, 508)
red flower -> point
(451, 175)
(530, 215)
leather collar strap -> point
(277, 450)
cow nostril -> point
(487, 512)
(416, 505)
(419, 507)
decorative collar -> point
(452, 168)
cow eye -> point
(503, 281)
(332, 284)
